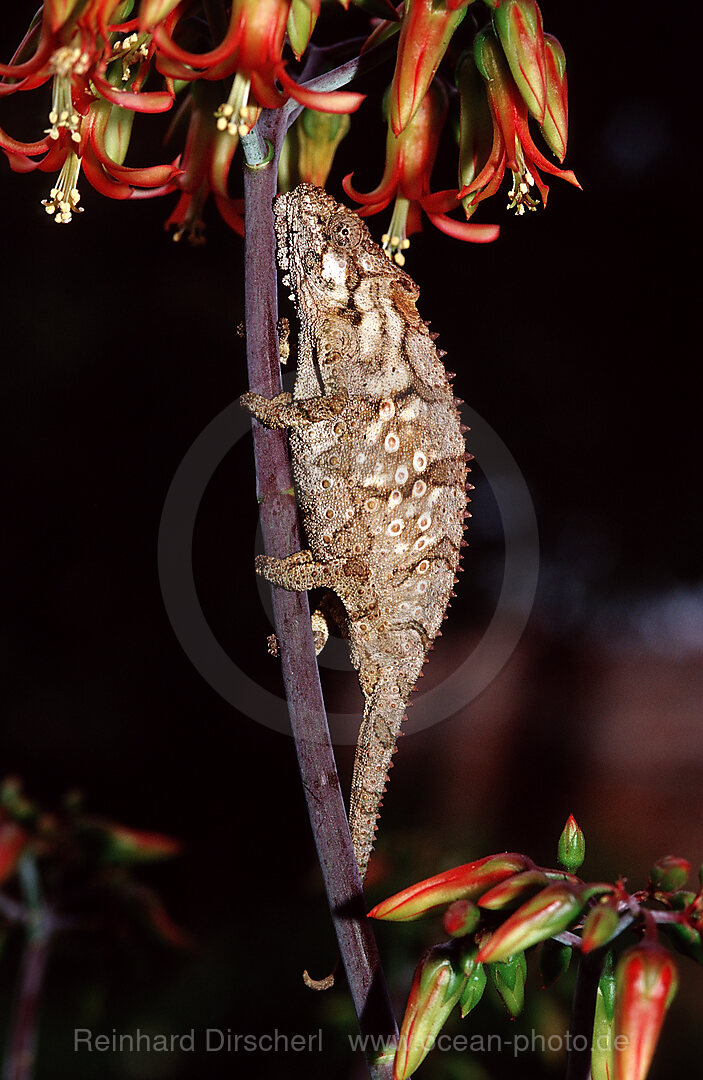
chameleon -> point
(379, 466)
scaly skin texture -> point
(379, 467)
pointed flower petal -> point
(555, 128)
(462, 882)
(425, 33)
(553, 909)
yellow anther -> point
(65, 197)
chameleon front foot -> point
(271, 412)
(298, 572)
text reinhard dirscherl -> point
(225, 1040)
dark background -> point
(570, 337)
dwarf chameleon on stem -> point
(379, 465)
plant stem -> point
(21, 1051)
(583, 1012)
(22, 1042)
(281, 532)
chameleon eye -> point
(343, 230)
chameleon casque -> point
(379, 465)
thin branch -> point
(583, 1012)
(22, 1043)
(281, 532)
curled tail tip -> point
(319, 984)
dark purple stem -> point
(39, 923)
(19, 1060)
(583, 1012)
(281, 532)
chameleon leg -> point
(271, 412)
(298, 571)
(320, 634)
(320, 630)
(283, 412)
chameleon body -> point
(379, 465)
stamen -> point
(65, 196)
(131, 50)
(65, 63)
(520, 197)
(236, 116)
(394, 242)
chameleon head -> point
(324, 247)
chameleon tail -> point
(380, 727)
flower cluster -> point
(79, 868)
(562, 914)
(218, 64)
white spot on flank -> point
(387, 409)
(423, 567)
(401, 475)
(396, 526)
(420, 461)
(392, 442)
(395, 498)
(419, 488)
(424, 522)
(408, 413)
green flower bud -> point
(669, 874)
(518, 24)
(571, 850)
(602, 1044)
(461, 918)
(513, 890)
(475, 123)
(555, 127)
(601, 924)
(301, 23)
(472, 993)
(509, 980)
(554, 909)
(436, 989)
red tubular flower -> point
(206, 163)
(466, 882)
(555, 127)
(425, 32)
(120, 844)
(82, 52)
(13, 841)
(409, 160)
(518, 24)
(513, 147)
(553, 909)
(253, 48)
(436, 989)
(645, 983)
